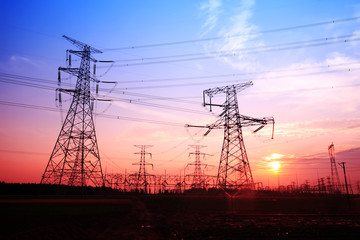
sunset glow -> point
(274, 156)
(180, 119)
(305, 74)
(275, 166)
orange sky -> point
(312, 91)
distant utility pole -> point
(335, 180)
(75, 159)
(234, 168)
(142, 176)
(197, 178)
(342, 164)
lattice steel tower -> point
(197, 176)
(234, 169)
(335, 180)
(75, 159)
(142, 176)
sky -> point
(302, 56)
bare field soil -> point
(178, 217)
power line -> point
(29, 106)
(27, 78)
(141, 120)
(113, 99)
(307, 89)
(28, 81)
(153, 97)
(261, 49)
(26, 84)
(233, 81)
(139, 101)
(231, 54)
(238, 74)
(36, 107)
(159, 106)
(235, 36)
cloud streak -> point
(212, 10)
(228, 21)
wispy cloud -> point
(312, 90)
(227, 22)
(212, 10)
(21, 60)
(355, 36)
(307, 129)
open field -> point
(178, 217)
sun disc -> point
(275, 165)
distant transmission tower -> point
(197, 176)
(234, 168)
(75, 159)
(142, 176)
(335, 180)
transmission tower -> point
(75, 159)
(142, 176)
(197, 176)
(335, 180)
(342, 164)
(234, 169)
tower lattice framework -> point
(142, 176)
(234, 170)
(197, 176)
(335, 180)
(75, 159)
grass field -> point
(178, 217)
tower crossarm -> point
(72, 71)
(237, 87)
(219, 124)
(140, 163)
(247, 121)
(76, 71)
(195, 163)
(84, 49)
(251, 121)
(83, 53)
(226, 90)
(81, 45)
(69, 91)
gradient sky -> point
(308, 84)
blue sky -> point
(307, 89)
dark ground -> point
(178, 217)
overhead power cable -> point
(36, 107)
(234, 81)
(237, 74)
(250, 50)
(29, 81)
(147, 97)
(12, 81)
(235, 36)
(24, 83)
(159, 106)
(230, 54)
(140, 120)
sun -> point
(273, 162)
(275, 165)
